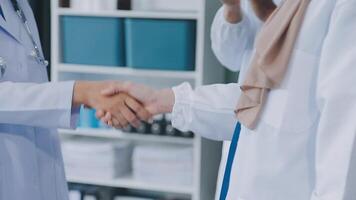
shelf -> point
(129, 14)
(128, 182)
(207, 70)
(117, 134)
(85, 69)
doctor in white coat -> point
(302, 146)
(31, 166)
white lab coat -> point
(31, 165)
(303, 146)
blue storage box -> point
(92, 41)
(160, 44)
(87, 118)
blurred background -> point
(157, 42)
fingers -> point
(116, 123)
(105, 118)
(122, 117)
(124, 109)
(130, 116)
(118, 120)
(102, 116)
(138, 109)
(110, 123)
(122, 120)
(108, 119)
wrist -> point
(80, 93)
(164, 100)
(233, 13)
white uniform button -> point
(33, 54)
(46, 63)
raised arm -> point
(43, 105)
(235, 27)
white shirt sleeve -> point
(46, 105)
(337, 103)
(231, 41)
(207, 110)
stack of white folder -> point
(163, 164)
(97, 158)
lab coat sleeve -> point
(207, 110)
(46, 105)
(230, 42)
(337, 103)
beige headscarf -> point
(274, 47)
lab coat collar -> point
(10, 25)
(2, 13)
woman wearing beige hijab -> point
(295, 100)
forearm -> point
(47, 105)
(80, 92)
(87, 92)
(164, 101)
(207, 110)
(233, 38)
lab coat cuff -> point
(74, 117)
(182, 109)
(69, 117)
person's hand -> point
(232, 10)
(154, 101)
(122, 108)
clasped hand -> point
(121, 103)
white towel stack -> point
(163, 164)
(97, 158)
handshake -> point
(118, 104)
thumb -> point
(112, 90)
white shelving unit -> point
(117, 134)
(130, 14)
(207, 70)
(128, 182)
(126, 71)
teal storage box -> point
(87, 118)
(160, 44)
(92, 40)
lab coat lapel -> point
(11, 24)
(32, 24)
(2, 13)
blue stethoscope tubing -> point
(230, 161)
